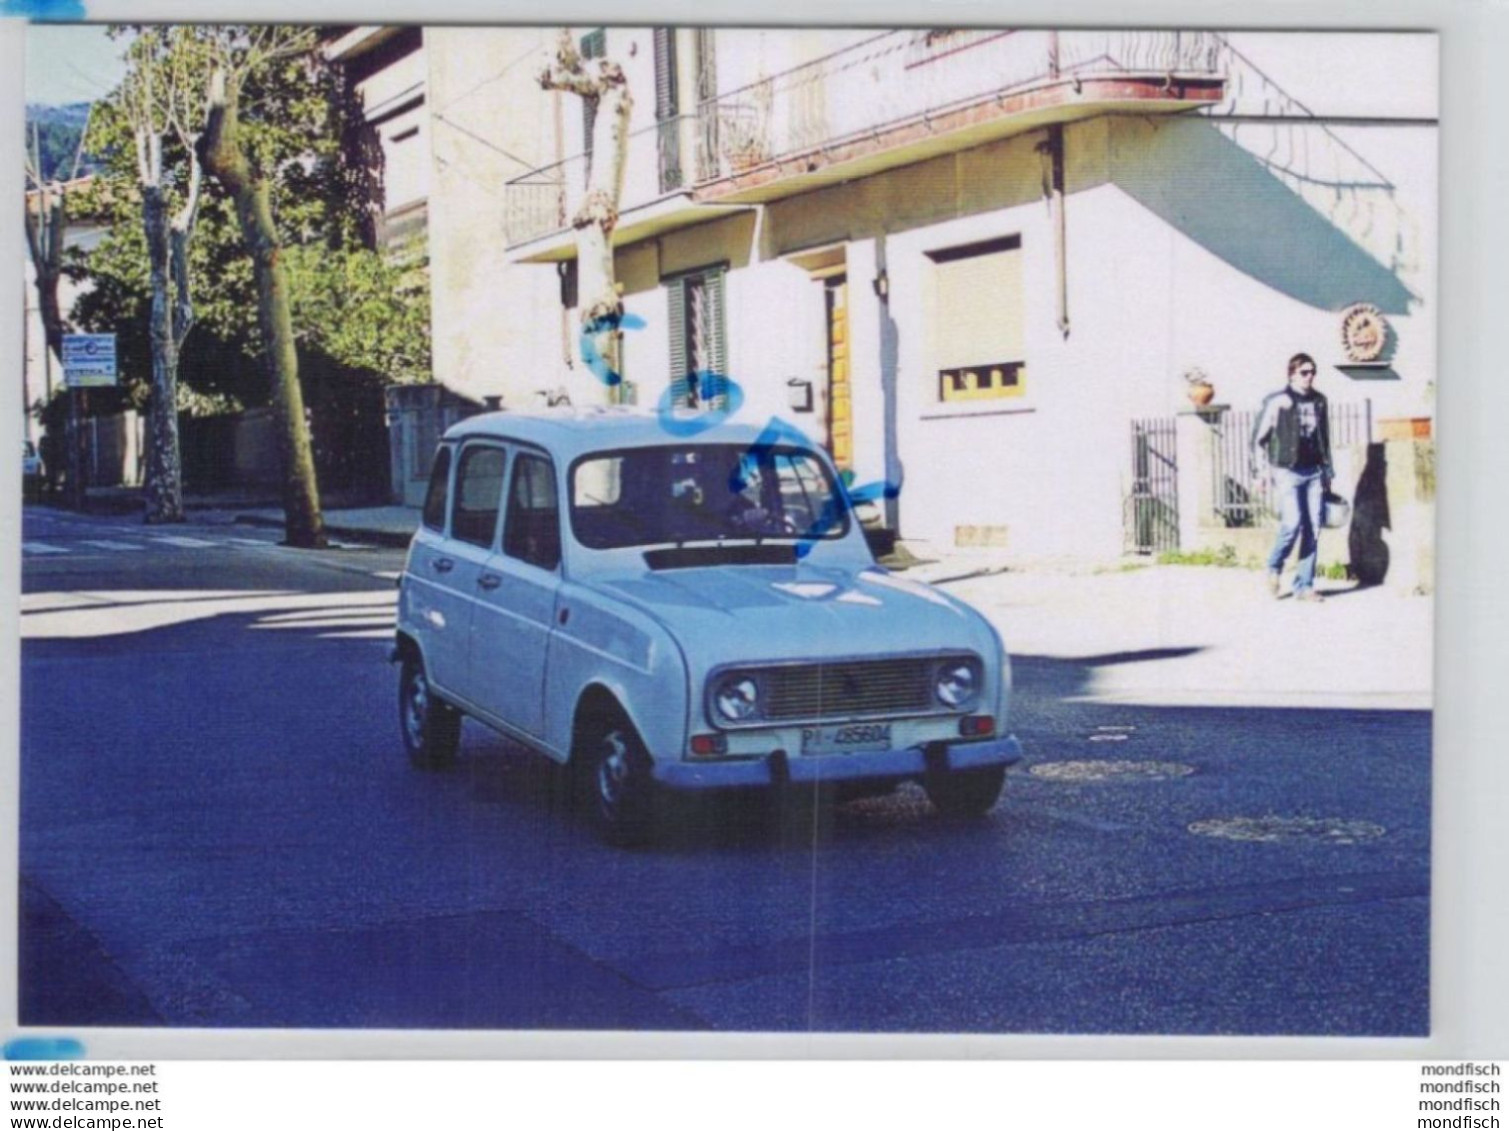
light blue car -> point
(684, 612)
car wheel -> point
(431, 727)
(965, 793)
(615, 781)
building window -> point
(405, 158)
(698, 337)
(594, 45)
(667, 109)
(976, 321)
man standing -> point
(1293, 434)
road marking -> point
(106, 544)
(258, 542)
(42, 548)
(188, 543)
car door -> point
(454, 569)
(517, 597)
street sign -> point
(89, 360)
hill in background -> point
(58, 130)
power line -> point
(484, 141)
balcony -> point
(893, 99)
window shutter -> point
(979, 308)
(667, 106)
(717, 335)
(665, 73)
(676, 323)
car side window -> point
(439, 492)
(532, 531)
(479, 494)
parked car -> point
(31, 470)
(683, 613)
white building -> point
(978, 255)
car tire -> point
(431, 727)
(965, 793)
(614, 782)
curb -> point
(393, 538)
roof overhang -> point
(668, 214)
(358, 41)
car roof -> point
(568, 433)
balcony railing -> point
(885, 81)
(544, 200)
(900, 76)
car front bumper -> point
(779, 768)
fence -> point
(1243, 493)
(1151, 520)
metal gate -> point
(1151, 520)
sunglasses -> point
(1307, 373)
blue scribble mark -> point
(44, 1048)
(726, 398)
(722, 393)
(44, 9)
(592, 357)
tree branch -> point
(78, 154)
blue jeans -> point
(1299, 497)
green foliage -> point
(349, 304)
(361, 311)
(1224, 557)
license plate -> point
(846, 739)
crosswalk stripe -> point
(249, 541)
(190, 543)
(42, 548)
(106, 544)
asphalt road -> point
(219, 828)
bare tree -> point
(600, 82)
(46, 229)
(238, 54)
(160, 99)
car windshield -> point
(703, 493)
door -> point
(516, 600)
(457, 565)
(840, 403)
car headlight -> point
(737, 698)
(957, 683)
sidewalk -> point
(1162, 635)
(1201, 636)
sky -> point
(70, 63)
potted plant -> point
(1198, 387)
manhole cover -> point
(1323, 830)
(1108, 771)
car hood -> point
(772, 613)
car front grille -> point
(848, 688)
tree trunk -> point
(163, 496)
(44, 234)
(601, 82)
(221, 153)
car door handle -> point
(442, 565)
(489, 581)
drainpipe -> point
(1052, 152)
(894, 471)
